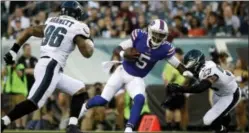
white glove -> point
(188, 74)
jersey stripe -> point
(171, 51)
(134, 34)
(161, 25)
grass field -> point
(31, 131)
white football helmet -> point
(158, 32)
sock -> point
(216, 124)
(96, 101)
(73, 121)
(136, 110)
(76, 104)
(226, 120)
(6, 120)
(22, 109)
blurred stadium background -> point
(217, 28)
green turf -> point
(31, 131)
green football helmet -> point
(194, 60)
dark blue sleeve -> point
(134, 35)
(170, 50)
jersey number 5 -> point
(54, 36)
(142, 61)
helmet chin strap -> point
(152, 46)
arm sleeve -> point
(126, 44)
(198, 88)
(173, 61)
(171, 51)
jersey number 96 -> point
(142, 61)
(54, 36)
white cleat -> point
(128, 130)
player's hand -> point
(172, 88)
(188, 74)
(167, 101)
(131, 54)
(10, 57)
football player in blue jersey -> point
(139, 53)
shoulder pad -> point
(136, 33)
(169, 48)
(207, 70)
(82, 29)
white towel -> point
(107, 65)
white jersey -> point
(58, 37)
(226, 83)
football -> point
(131, 54)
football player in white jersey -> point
(226, 91)
(60, 37)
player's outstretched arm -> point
(125, 50)
(204, 84)
(36, 31)
(119, 50)
(177, 64)
(85, 45)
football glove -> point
(10, 57)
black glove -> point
(9, 58)
(171, 88)
(166, 102)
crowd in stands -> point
(118, 19)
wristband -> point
(121, 53)
(15, 47)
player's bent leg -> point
(76, 89)
(136, 109)
(19, 110)
(215, 116)
(113, 84)
(136, 89)
(48, 71)
(76, 103)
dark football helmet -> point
(194, 60)
(71, 8)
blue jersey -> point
(149, 57)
